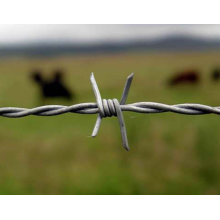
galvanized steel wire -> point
(108, 108)
(91, 108)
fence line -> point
(108, 108)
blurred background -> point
(51, 64)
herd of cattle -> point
(56, 87)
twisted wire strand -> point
(92, 108)
(108, 108)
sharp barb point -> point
(131, 75)
(126, 89)
(127, 149)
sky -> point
(22, 34)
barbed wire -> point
(108, 108)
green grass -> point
(170, 153)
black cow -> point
(216, 74)
(54, 87)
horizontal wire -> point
(107, 108)
(92, 108)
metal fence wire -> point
(108, 108)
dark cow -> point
(215, 75)
(185, 77)
(54, 87)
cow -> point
(215, 74)
(185, 77)
(54, 87)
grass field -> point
(170, 153)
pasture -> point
(170, 153)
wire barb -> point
(111, 108)
(108, 108)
